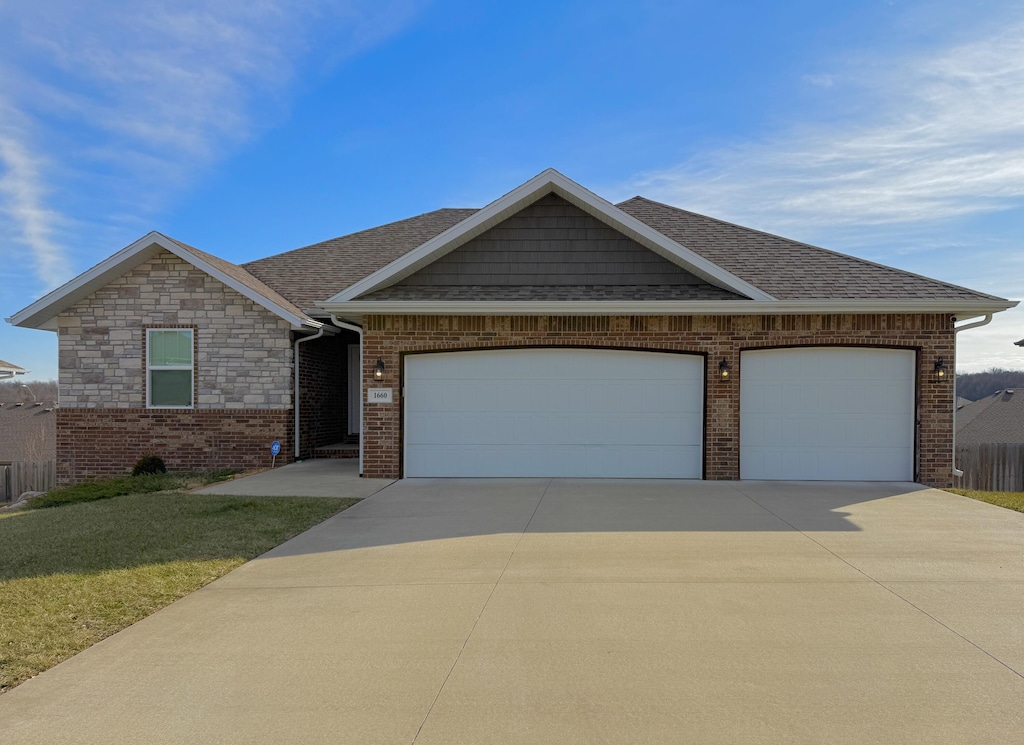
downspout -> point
(956, 330)
(362, 403)
(295, 361)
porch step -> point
(337, 450)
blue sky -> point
(888, 130)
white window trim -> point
(191, 368)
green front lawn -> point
(72, 575)
(1011, 500)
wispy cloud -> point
(943, 137)
(127, 101)
(22, 200)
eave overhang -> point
(355, 309)
(43, 313)
(549, 182)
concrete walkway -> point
(569, 611)
(327, 477)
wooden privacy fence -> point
(21, 476)
(991, 467)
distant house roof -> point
(7, 370)
(962, 402)
(993, 419)
(1020, 343)
(27, 432)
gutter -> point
(359, 330)
(956, 330)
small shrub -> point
(149, 464)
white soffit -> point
(42, 314)
(550, 181)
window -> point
(169, 368)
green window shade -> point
(170, 387)
(170, 348)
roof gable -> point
(42, 314)
(549, 182)
(552, 249)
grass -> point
(72, 576)
(1011, 500)
(90, 491)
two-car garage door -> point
(554, 412)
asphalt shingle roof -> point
(315, 273)
(552, 292)
(28, 431)
(246, 278)
(786, 269)
(993, 419)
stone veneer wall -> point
(389, 337)
(242, 365)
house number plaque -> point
(378, 396)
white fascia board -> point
(42, 313)
(355, 308)
(524, 195)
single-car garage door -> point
(554, 412)
(827, 413)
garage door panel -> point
(554, 412)
(827, 413)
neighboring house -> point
(995, 419)
(990, 442)
(27, 431)
(27, 448)
(550, 333)
(7, 370)
(961, 402)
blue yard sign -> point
(275, 448)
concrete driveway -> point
(573, 611)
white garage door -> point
(821, 413)
(554, 412)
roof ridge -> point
(866, 262)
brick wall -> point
(388, 337)
(323, 391)
(96, 443)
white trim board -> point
(548, 182)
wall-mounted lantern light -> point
(378, 370)
(724, 369)
(939, 372)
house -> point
(27, 431)
(7, 370)
(27, 446)
(550, 333)
(995, 419)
